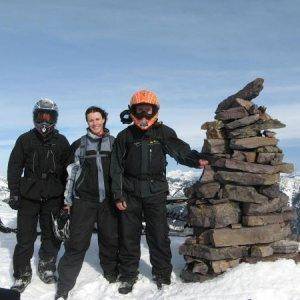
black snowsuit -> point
(138, 171)
(89, 206)
(40, 189)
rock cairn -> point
(236, 208)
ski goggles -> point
(147, 111)
(49, 117)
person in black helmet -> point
(140, 188)
(88, 197)
(36, 179)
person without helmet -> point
(41, 155)
(140, 188)
(88, 196)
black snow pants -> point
(84, 215)
(29, 213)
(153, 210)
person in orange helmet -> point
(140, 188)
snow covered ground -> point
(279, 280)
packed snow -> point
(264, 280)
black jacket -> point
(42, 161)
(138, 164)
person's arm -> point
(117, 170)
(72, 169)
(15, 167)
(181, 151)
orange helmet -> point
(147, 113)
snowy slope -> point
(278, 280)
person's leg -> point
(107, 224)
(49, 244)
(157, 230)
(130, 237)
(26, 235)
(83, 218)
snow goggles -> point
(45, 116)
(147, 111)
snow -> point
(264, 280)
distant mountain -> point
(4, 191)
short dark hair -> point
(93, 109)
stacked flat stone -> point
(236, 209)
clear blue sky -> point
(192, 54)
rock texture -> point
(236, 208)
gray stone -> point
(274, 205)
(260, 251)
(200, 267)
(207, 190)
(265, 158)
(260, 220)
(278, 159)
(285, 246)
(207, 175)
(244, 178)
(222, 266)
(268, 149)
(249, 92)
(214, 216)
(242, 122)
(226, 237)
(252, 142)
(213, 146)
(244, 194)
(212, 125)
(272, 191)
(232, 114)
(211, 253)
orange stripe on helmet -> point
(144, 96)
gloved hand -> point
(14, 201)
(121, 204)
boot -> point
(126, 286)
(46, 271)
(61, 296)
(162, 279)
(111, 278)
(21, 283)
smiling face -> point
(95, 122)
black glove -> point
(14, 201)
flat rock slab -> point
(213, 146)
(222, 266)
(207, 175)
(232, 114)
(243, 194)
(248, 92)
(252, 142)
(272, 191)
(212, 125)
(245, 178)
(274, 205)
(256, 127)
(249, 156)
(268, 149)
(226, 237)
(250, 167)
(285, 246)
(188, 276)
(211, 253)
(274, 257)
(260, 220)
(260, 251)
(242, 122)
(207, 190)
(214, 216)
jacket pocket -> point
(158, 186)
(30, 189)
(128, 185)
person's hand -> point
(67, 208)
(14, 201)
(121, 204)
(203, 163)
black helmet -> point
(61, 225)
(45, 113)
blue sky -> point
(193, 54)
